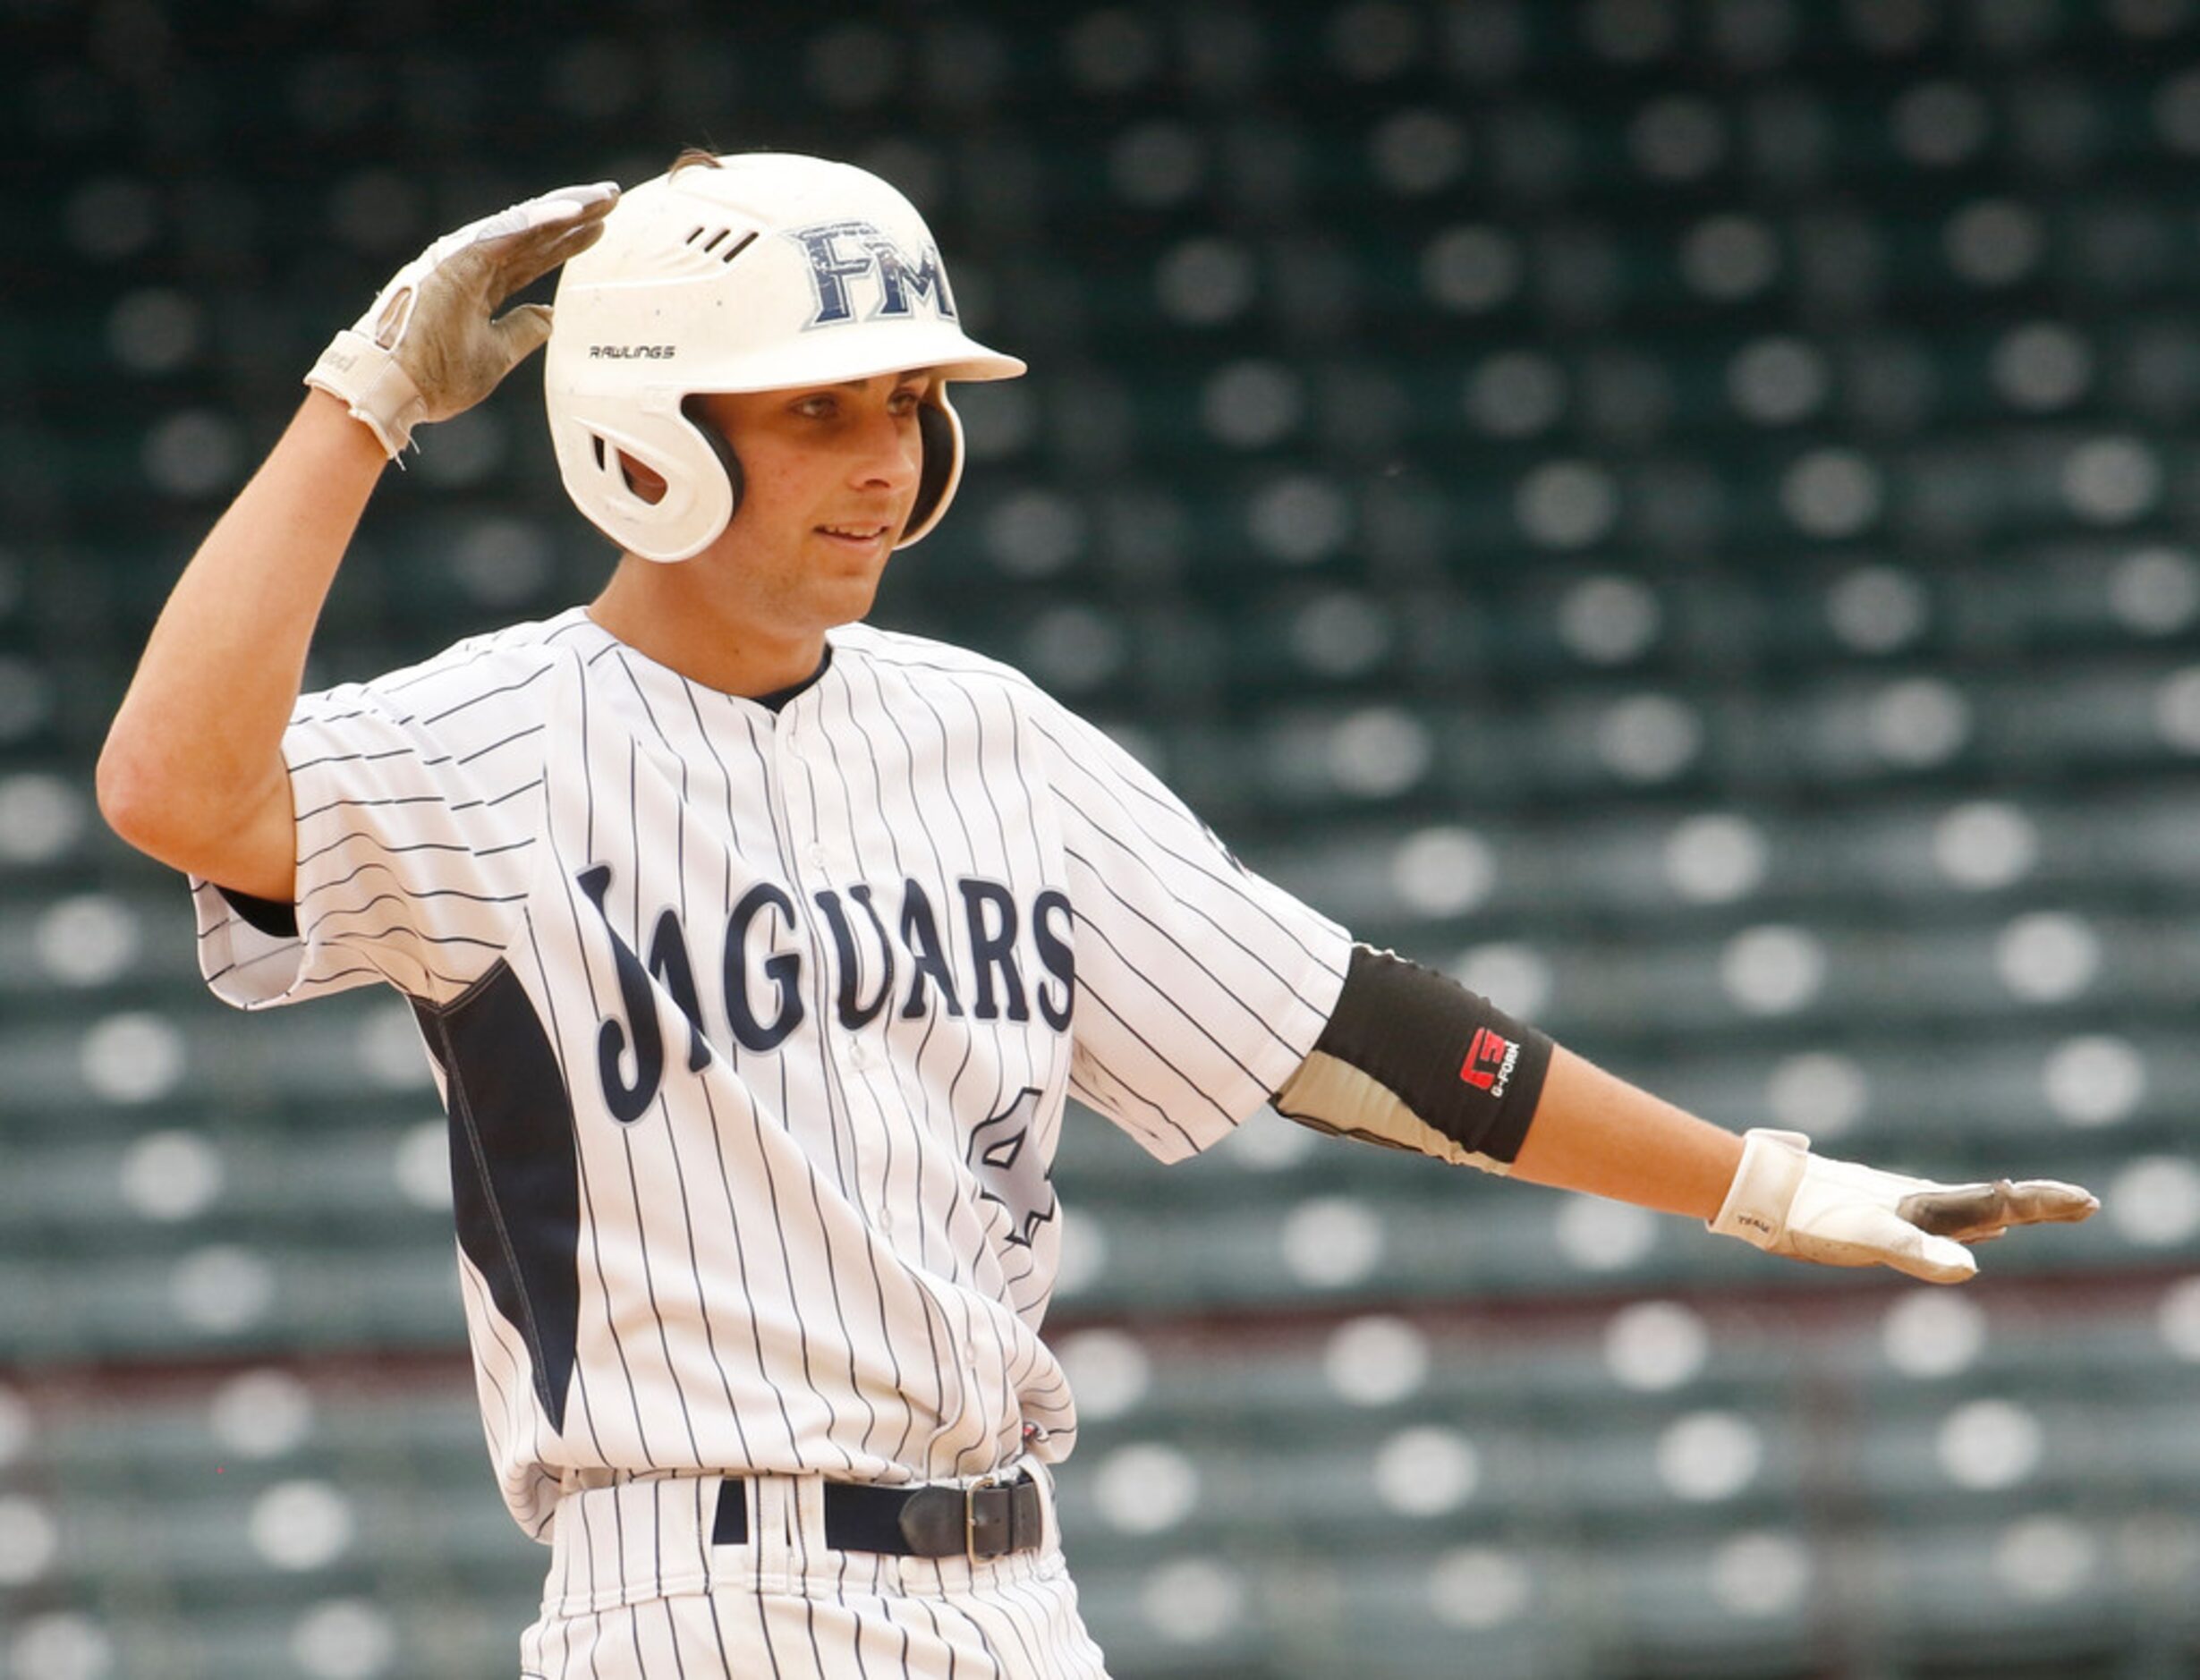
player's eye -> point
(819, 407)
(907, 400)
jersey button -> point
(858, 1056)
(816, 857)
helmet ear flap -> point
(691, 410)
(940, 429)
(700, 479)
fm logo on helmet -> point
(900, 281)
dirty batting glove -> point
(432, 344)
(1787, 1200)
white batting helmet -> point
(767, 272)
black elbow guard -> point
(1412, 1060)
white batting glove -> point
(428, 347)
(1787, 1200)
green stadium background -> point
(1679, 514)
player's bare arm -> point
(1411, 1060)
(192, 771)
(1595, 1133)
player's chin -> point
(845, 598)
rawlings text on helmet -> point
(843, 251)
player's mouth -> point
(853, 536)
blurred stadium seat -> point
(1679, 513)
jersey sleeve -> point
(417, 820)
(1201, 987)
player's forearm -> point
(1598, 1134)
(1411, 1059)
(198, 739)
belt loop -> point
(771, 1534)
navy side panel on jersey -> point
(515, 1180)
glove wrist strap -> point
(1772, 1169)
(378, 392)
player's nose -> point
(888, 453)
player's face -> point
(828, 478)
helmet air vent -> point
(717, 237)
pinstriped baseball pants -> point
(636, 1590)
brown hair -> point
(694, 157)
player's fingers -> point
(1879, 1235)
(490, 273)
(521, 331)
(1957, 1210)
(1894, 1241)
(1854, 1231)
(550, 210)
(2050, 1201)
(562, 203)
(529, 260)
(1937, 1260)
(1965, 1212)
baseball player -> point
(756, 951)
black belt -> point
(988, 1520)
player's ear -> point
(645, 483)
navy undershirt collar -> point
(779, 697)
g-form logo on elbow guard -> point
(1490, 1062)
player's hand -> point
(1787, 1200)
(432, 344)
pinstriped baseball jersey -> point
(755, 1027)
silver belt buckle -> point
(970, 1516)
